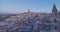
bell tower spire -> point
(28, 11)
(54, 10)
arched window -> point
(55, 27)
(55, 20)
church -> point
(55, 20)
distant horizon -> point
(20, 6)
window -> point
(55, 27)
(55, 21)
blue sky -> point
(19, 6)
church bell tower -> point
(54, 10)
(28, 11)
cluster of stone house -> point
(34, 22)
(37, 22)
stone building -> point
(55, 20)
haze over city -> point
(19, 6)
